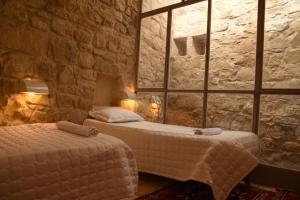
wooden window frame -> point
(256, 92)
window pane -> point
(152, 51)
(279, 130)
(282, 44)
(230, 111)
(188, 45)
(149, 5)
(150, 106)
(185, 109)
(233, 44)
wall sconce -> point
(129, 101)
(155, 104)
(35, 86)
(130, 96)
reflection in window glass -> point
(149, 5)
(150, 106)
(185, 109)
(188, 44)
(152, 51)
(279, 130)
(233, 44)
(230, 111)
(282, 44)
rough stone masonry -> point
(68, 44)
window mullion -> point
(167, 61)
(207, 57)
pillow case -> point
(114, 115)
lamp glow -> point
(35, 86)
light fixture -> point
(35, 86)
(130, 96)
(155, 100)
(129, 101)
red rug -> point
(196, 191)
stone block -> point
(68, 76)
(107, 2)
(35, 3)
(23, 38)
(101, 40)
(292, 56)
(88, 74)
(83, 36)
(46, 70)
(120, 5)
(15, 10)
(18, 65)
(85, 104)
(121, 28)
(245, 74)
(86, 60)
(62, 27)
(63, 51)
(66, 100)
(39, 23)
(296, 40)
(291, 146)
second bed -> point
(220, 161)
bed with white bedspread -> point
(39, 161)
(220, 161)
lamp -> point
(155, 102)
(128, 102)
(130, 96)
(35, 86)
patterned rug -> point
(195, 191)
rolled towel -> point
(77, 129)
(208, 131)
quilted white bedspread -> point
(41, 162)
(171, 151)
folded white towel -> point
(77, 129)
(208, 131)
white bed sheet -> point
(39, 161)
(220, 161)
(248, 140)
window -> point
(149, 5)
(282, 45)
(231, 64)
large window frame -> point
(256, 92)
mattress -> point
(41, 162)
(220, 161)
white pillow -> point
(114, 115)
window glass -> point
(149, 5)
(233, 44)
(152, 51)
(282, 44)
(230, 111)
(188, 46)
(150, 106)
(279, 130)
(185, 109)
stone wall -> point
(152, 42)
(67, 44)
(232, 66)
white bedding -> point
(220, 161)
(41, 162)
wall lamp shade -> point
(35, 86)
(130, 95)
